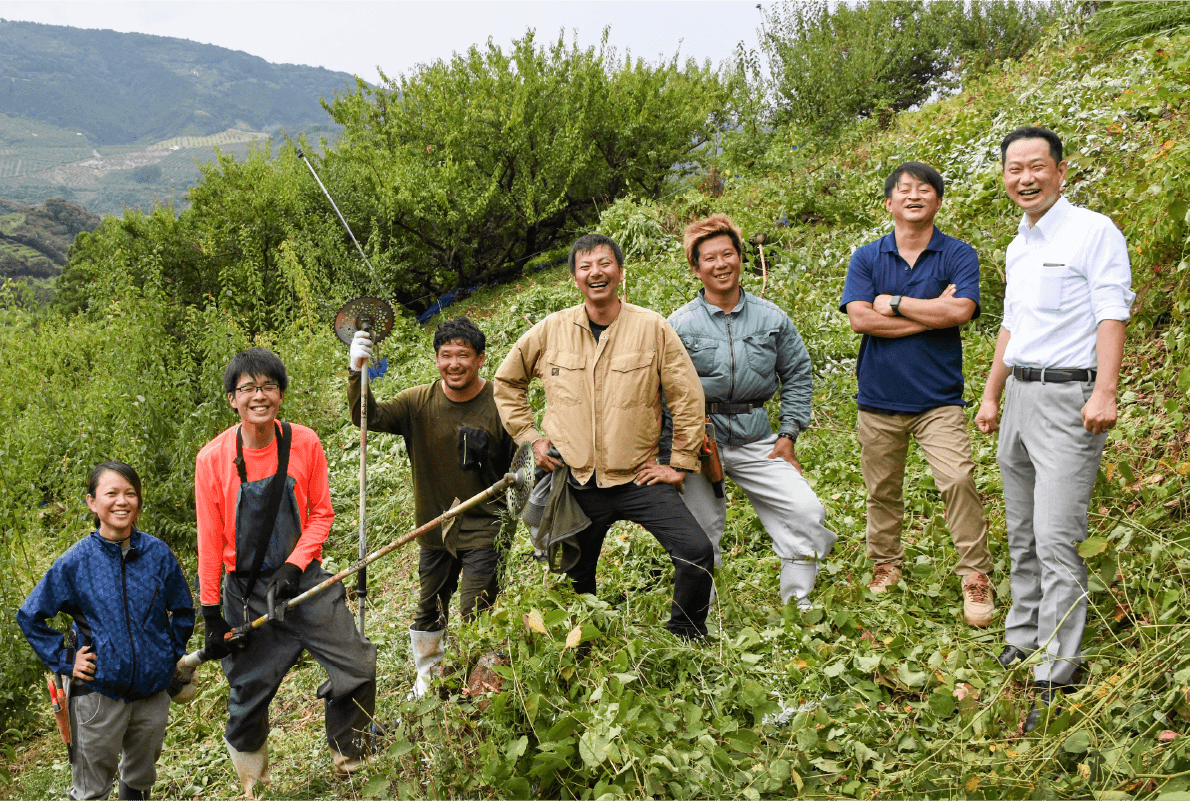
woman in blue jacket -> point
(132, 616)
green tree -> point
(255, 242)
(834, 64)
(465, 170)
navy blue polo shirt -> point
(923, 371)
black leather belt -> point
(743, 407)
(1056, 375)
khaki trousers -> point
(941, 434)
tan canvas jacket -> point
(603, 401)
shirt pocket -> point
(704, 353)
(1053, 286)
(761, 349)
(564, 378)
(631, 382)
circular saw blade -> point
(374, 314)
(524, 467)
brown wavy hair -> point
(701, 230)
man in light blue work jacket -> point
(744, 348)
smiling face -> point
(597, 275)
(718, 265)
(117, 505)
(459, 365)
(257, 399)
(1032, 178)
(913, 202)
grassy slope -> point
(859, 698)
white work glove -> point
(361, 350)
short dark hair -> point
(922, 172)
(588, 242)
(122, 468)
(460, 328)
(254, 362)
(1033, 132)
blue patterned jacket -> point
(135, 611)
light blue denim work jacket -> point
(745, 355)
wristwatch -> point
(894, 303)
(788, 436)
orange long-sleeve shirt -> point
(217, 485)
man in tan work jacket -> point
(604, 365)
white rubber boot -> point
(797, 581)
(251, 766)
(427, 657)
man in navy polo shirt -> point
(909, 293)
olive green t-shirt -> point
(457, 450)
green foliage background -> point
(861, 697)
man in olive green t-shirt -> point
(458, 448)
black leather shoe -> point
(1011, 654)
(1047, 692)
(1032, 719)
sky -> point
(359, 36)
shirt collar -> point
(712, 308)
(134, 541)
(1050, 222)
(888, 243)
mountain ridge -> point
(136, 88)
(113, 120)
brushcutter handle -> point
(193, 659)
(196, 658)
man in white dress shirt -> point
(1066, 304)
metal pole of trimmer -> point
(375, 317)
(361, 582)
(277, 612)
(302, 156)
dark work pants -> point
(438, 576)
(659, 509)
(325, 627)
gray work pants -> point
(1048, 463)
(110, 734)
(324, 627)
(781, 497)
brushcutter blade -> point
(373, 314)
(524, 467)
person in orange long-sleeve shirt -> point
(237, 491)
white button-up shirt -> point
(1066, 274)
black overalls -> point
(323, 626)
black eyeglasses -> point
(268, 388)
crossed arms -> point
(917, 314)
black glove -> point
(285, 580)
(214, 645)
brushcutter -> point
(516, 484)
(375, 316)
